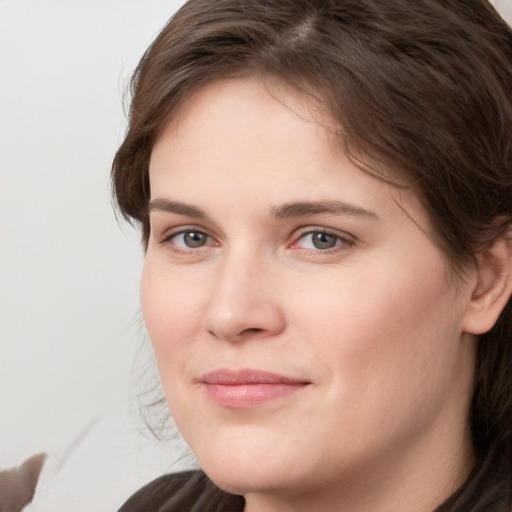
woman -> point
(325, 195)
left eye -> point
(190, 239)
(318, 240)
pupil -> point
(323, 240)
(194, 239)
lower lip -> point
(243, 396)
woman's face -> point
(307, 330)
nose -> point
(245, 303)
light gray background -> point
(69, 314)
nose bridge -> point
(243, 302)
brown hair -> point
(422, 89)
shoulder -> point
(189, 490)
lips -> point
(248, 388)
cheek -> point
(172, 312)
(372, 308)
(384, 334)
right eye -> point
(189, 239)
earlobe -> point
(493, 286)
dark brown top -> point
(188, 491)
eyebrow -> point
(166, 205)
(284, 211)
(303, 208)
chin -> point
(254, 464)
(248, 479)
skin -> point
(375, 324)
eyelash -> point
(341, 242)
(168, 238)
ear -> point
(493, 286)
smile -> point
(243, 389)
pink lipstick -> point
(246, 388)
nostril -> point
(250, 333)
(244, 334)
(252, 330)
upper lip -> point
(246, 376)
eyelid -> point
(164, 224)
(169, 234)
(345, 238)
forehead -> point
(265, 141)
(220, 99)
